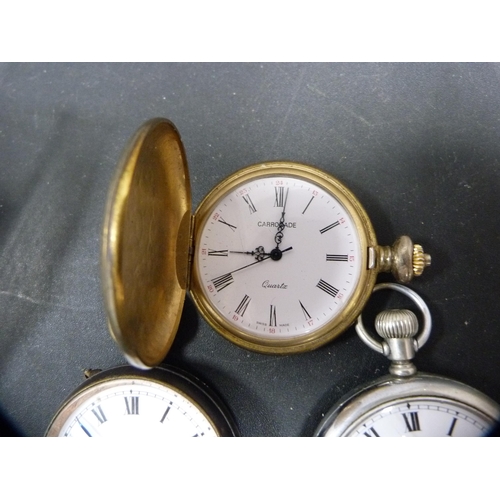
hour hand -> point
(226, 279)
(259, 253)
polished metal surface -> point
(404, 259)
(396, 324)
(145, 244)
(418, 341)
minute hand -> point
(272, 255)
(281, 224)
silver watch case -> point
(367, 400)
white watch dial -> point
(135, 408)
(278, 283)
(419, 417)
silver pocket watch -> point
(406, 403)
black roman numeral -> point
(304, 310)
(371, 432)
(452, 427)
(165, 414)
(411, 421)
(250, 204)
(218, 253)
(279, 200)
(222, 221)
(223, 281)
(243, 305)
(84, 429)
(99, 414)
(330, 257)
(331, 226)
(272, 316)
(132, 405)
(326, 287)
(280, 197)
(307, 206)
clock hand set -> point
(260, 254)
(226, 279)
(267, 256)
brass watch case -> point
(145, 244)
(361, 292)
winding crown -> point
(404, 259)
(420, 260)
(396, 324)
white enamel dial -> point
(421, 417)
(272, 282)
(162, 402)
(136, 408)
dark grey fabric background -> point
(418, 143)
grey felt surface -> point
(418, 144)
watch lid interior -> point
(144, 259)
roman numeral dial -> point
(385, 409)
(287, 267)
(125, 404)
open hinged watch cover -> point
(145, 249)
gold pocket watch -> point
(407, 403)
(279, 257)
